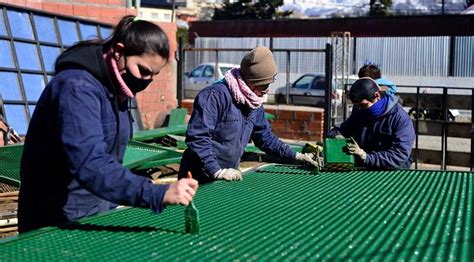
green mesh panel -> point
(282, 213)
(138, 154)
(10, 157)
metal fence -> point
(189, 58)
(437, 56)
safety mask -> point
(135, 84)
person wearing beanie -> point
(381, 132)
(227, 115)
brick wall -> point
(291, 122)
(160, 97)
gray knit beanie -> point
(258, 66)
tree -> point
(250, 10)
(380, 7)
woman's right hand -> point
(181, 192)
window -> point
(208, 72)
(88, 32)
(28, 54)
(197, 72)
(167, 17)
(68, 32)
(45, 29)
(319, 83)
(155, 16)
(303, 82)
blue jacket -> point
(72, 159)
(219, 130)
(387, 140)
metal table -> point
(282, 213)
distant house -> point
(156, 10)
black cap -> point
(363, 88)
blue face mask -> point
(377, 109)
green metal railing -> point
(282, 213)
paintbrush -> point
(191, 216)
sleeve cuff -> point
(158, 193)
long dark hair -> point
(138, 36)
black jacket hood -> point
(86, 57)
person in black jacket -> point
(75, 144)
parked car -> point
(202, 76)
(306, 90)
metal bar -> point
(247, 49)
(287, 95)
(452, 55)
(444, 127)
(327, 93)
(417, 123)
(216, 67)
(179, 84)
(472, 130)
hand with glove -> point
(354, 149)
(228, 174)
(306, 158)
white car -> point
(202, 76)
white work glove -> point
(228, 174)
(306, 158)
(339, 136)
(354, 149)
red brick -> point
(317, 116)
(51, 7)
(38, 6)
(314, 126)
(298, 126)
(103, 2)
(285, 114)
(20, 3)
(131, 11)
(303, 115)
(116, 2)
(65, 9)
(279, 125)
(93, 11)
(80, 10)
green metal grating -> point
(140, 155)
(283, 213)
(10, 158)
(156, 133)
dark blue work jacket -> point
(71, 165)
(388, 140)
(219, 130)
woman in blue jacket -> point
(227, 115)
(72, 159)
(382, 132)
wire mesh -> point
(283, 213)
